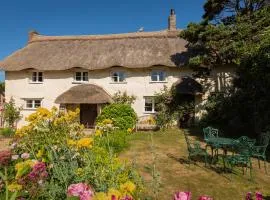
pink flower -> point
(259, 196)
(25, 156)
(182, 196)
(248, 196)
(14, 157)
(80, 190)
(205, 198)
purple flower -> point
(38, 172)
(205, 198)
(80, 190)
(25, 155)
(259, 196)
(182, 196)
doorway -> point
(88, 115)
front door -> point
(88, 114)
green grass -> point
(177, 175)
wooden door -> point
(88, 114)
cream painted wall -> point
(137, 83)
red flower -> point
(5, 157)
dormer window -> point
(158, 76)
(118, 77)
(37, 77)
(81, 77)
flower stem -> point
(6, 182)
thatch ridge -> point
(94, 52)
(84, 94)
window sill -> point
(118, 82)
(30, 109)
(158, 82)
(149, 112)
(36, 82)
(80, 82)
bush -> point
(122, 115)
(7, 132)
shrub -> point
(7, 132)
(11, 113)
(123, 98)
(122, 115)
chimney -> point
(31, 35)
(172, 21)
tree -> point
(235, 32)
(11, 113)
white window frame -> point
(37, 74)
(152, 98)
(158, 77)
(81, 77)
(118, 77)
(33, 103)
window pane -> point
(85, 76)
(154, 76)
(161, 76)
(121, 77)
(78, 76)
(29, 104)
(40, 77)
(34, 76)
(37, 103)
(148, 106)
(115, 77)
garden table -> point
(223, 143)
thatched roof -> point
(188, 85)
(84, 93)
(131, 50)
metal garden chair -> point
(194, 149)
(241, 157)
(259, 150)
(210, 132)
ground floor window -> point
(149, 104)
(33, 103)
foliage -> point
(52, 152)
(11, 113)
(123, 98)
(7, 132)
(2, 87)
(172, 106)
(122, 115)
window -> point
(158, 76)
(37, 77)
(33, 103)
(118, 77)
(81, 77)
(149, 104)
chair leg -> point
(265, 166)
(259, 163)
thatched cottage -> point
(85, 71)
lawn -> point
(169, 149)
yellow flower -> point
(40, 153)
(98, 132)
(101, 196)
(14, 187)
(129, 130)
(85, 142)
(128, 187)
(107, 121)
(114, 192)
(23, 168)
(79, 171)
(71, 142)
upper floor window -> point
(149, 104)
(158, 76)
(81, 77)
(33, 103)
(37, 77)
(118, 77)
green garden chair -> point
(195, 149)
(259, 150)
(246, 140)
(241, 158)
(210, 132)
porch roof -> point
(84, 94)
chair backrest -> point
(264, 139)
(244, 140)
(210, 132)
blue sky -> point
(66, 17)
